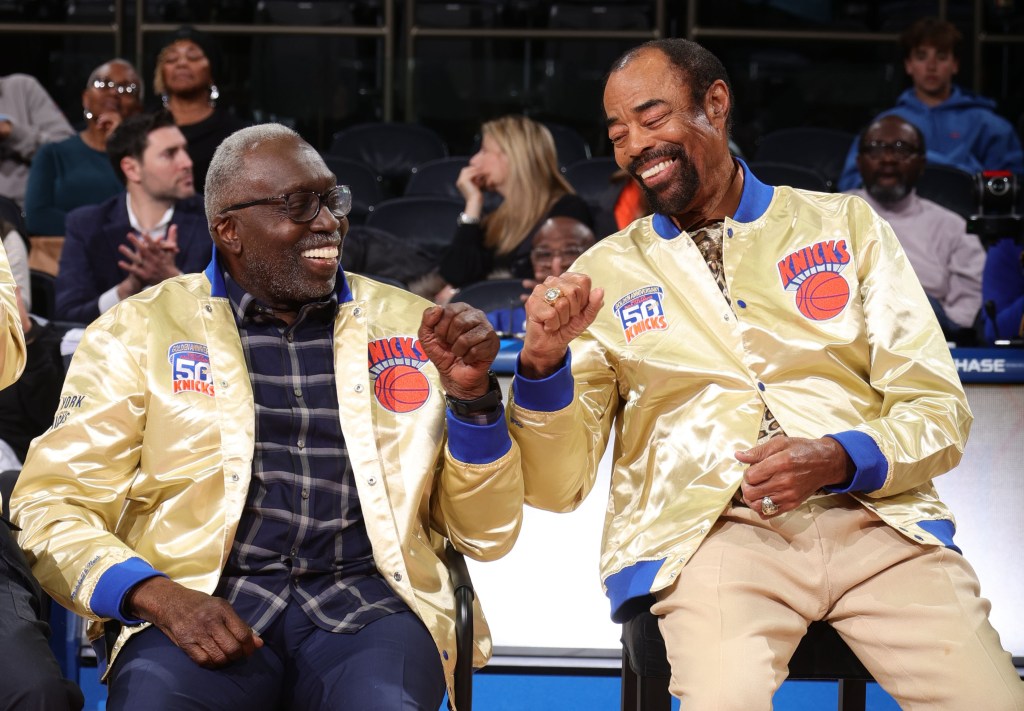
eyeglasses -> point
(547, 256)
(122, 88)
(900, 150)
(304, 206)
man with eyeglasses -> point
(962, 129)
(153, 230)
(947, 259)
(253, 472)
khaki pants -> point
(912, 613)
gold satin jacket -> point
(150, 456)
(684, 379)
(12, 342)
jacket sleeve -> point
(12, 343)
(76, 296)
(478, 497)
(76, 480)
(923, 419)
(1000, 147)
(562, 426)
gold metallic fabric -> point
(682, 388)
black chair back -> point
(392, 150)
(366, 185)
(426, 221)
(792, 175)
(950, 187)
(821, 149)
(493, 294)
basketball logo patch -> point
(190, 368)
(641, 311)
(396, 368)
(814, 273)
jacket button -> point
(209, 308)
(358, 388)
(371, 481)
(357, 311)
(398, 577)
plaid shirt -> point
(301, 536)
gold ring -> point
(769, 507)
(552, 294)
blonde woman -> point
(517, 161)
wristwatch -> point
(467, 219)
(487, 402)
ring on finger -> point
(769, 507)
(551, 294)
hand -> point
(550, 327)
(107, 122)
(470, 184)
(206, 628)
(461, 343)
(790, 469)
(528, 285)
(6, 127)
(151, 261)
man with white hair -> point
(253, 471)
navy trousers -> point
(30, 679)
(392, 664)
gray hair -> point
(95, 73)
(228, 163)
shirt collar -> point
(159, 230)
(754, 201)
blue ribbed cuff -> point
(478, 444)
(114, 585)
(870, 464)
(549, 394)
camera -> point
(996, 192)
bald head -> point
(557, 244)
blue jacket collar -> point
(753, 203)
(215, 275)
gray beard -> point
(887, 195)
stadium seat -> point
(570, 146)
(592, 180)
(821, 149)
(492, 294)
(950, 187)
(787, 174)
(391, 149)
(427, 221)
(365, 184)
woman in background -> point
(184, 79)
(517, 160)
(76, 171)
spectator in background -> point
(947, 259)
(557, 244)
(184, 78)
(75, 171)
(960, 129)
(28, 119)
(517, 160)
(1003, 290)
(155, 228)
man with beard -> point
(253, 473)
(153, 230)
(781, 397)
(948, 260)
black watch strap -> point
(487, 402)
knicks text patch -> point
(822, 292)
(641, 311)
(396, 369)
(190, 368)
